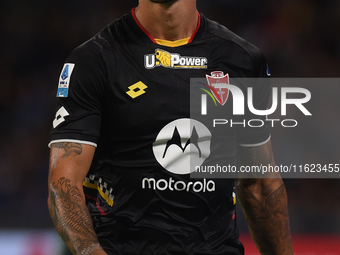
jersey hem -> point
(255, 144)
(71, 141)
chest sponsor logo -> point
(173, 60)
(179, 147)
(181, 144)
(64, 80)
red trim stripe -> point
(197, 28)
(141, 27)
(97, 205)
(153, 39)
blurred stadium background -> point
(300, 38)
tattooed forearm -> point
(264, 202)
(268, 220)
(69, 148)
(71, 217)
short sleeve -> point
(255, 129)
(80, 93)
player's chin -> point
(162, 1)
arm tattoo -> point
(265, 207)
(69, 148)
(270, 220)
(71, 217)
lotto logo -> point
(136, 89)
(60, 116)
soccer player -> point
(122, 138)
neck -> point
(170, 21)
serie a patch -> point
(64, 80)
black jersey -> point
(128, 94)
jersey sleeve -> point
(256, 129)
(79, 97)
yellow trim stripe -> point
(173, 43)
(94, 186)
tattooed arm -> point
(264, 202)
(69, 164)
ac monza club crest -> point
(217, 84)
